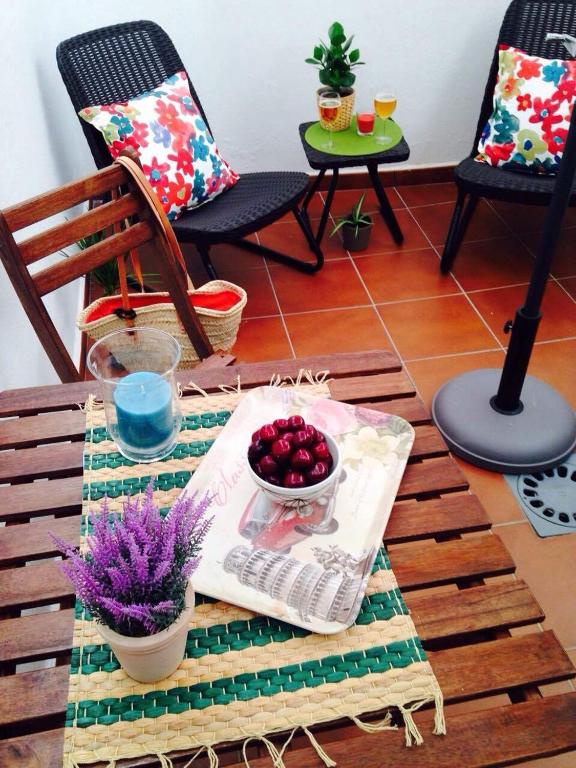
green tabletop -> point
(349, 143)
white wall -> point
(246, 58)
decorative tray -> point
(307, 566)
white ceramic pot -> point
(153, 657)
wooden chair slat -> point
(47, 428)
(436, 475)
(70, 269)
(415, 567)
(51, 497)
(449, 515)
(428, 442)
(463, 673)
(66, 233)
(436, 616)
(58, 460)
(33, 400)
(451, 561)
(478, 609)
(45, 205)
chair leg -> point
(204, 251)
(457, 229)
(310, 239)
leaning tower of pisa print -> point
(307, 587)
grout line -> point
(278, 305)
(458, 283)
(555, 341)
(453, 354)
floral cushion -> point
(532, 106)
(176, 150)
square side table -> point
(324, 161)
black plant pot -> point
(356, 238)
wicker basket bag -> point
(218, 304)
(221, 326)
(344, 117)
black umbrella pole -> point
(507, 399)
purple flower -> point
(133, 572)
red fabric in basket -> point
(222, 300)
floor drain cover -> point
(548, 498)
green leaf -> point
(325, 77)
(348, 43)
(318, 52)
(348, 79)
(312, 61)
(354, 55)
(336, 33)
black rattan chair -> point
(117, 63)
(525, 26)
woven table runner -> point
(245, 676)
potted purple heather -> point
(133, 576)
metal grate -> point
(548, 499)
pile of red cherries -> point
(290, 453)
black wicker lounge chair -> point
(525, 26)
(121, 61)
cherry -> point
(288, 436)
(256, 450)
(311, 431)
(268, 433)
(294, 480)
(281, 425)
(296, 422)
(302, 459)
(281, 450)
(301, 439)
(317, 473)
(321, 452)
(256, 436)
(268, 465)
(274, 479)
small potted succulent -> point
(356, 228)
(133, 576)
(335, 63)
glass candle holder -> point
(135, 368)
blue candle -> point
(143, 403)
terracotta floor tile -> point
(555, 363)
(494, 493)
(529, 218)
(336, 285)
(440, 326)
(409, 275)
(226, 255)
(381, 240)
(435, 219)
(287, 237)
(492, 263)
(569, 284)
(429, 375)
(499, 305)
(564, 263)
(345, 199)
(567, 760)
(315, 208)
(339, 330)
(425, 194)
(549, 568)
(257, 284)
(262, 339)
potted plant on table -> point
(335, 63)
(356, 228)
(133, 576)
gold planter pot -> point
(344, 113)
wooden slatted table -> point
(456, 576)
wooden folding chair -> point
(129, 220)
